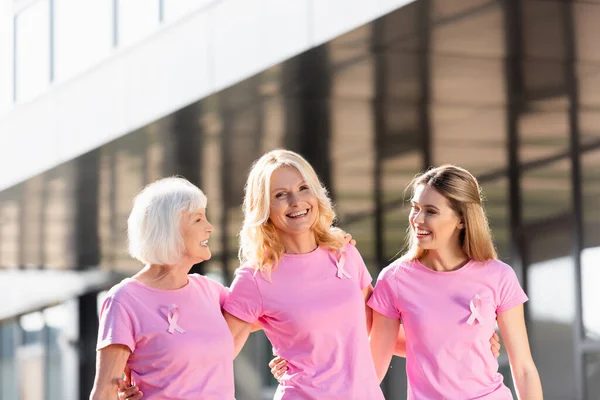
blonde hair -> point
(154, 224)
(259, 240)
(463, 193)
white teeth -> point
(423, 232)
(204, 243)
(298, 214)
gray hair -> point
(153, 227)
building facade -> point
(110, 96)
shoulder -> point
(395, 270)
(204, 281)
(496, 267)
(122, 291)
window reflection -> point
(31, 357)
(8, 370)
(32, 51)
(592, 375)
(547, 191)
(590, 258)
(62, 361)
(551, 291)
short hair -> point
(463, 193)
(259, 241)
(153, 227)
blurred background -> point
(100, 97)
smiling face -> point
(294, 208)
(195, 230)
(434, 223)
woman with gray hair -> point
(163, 324)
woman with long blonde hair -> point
(304, 286)
(449, 290)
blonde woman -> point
(448, 290)
(305, 287)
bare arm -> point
(384, 335)
(367, 292)
(240, 330)
(400, 347)
(110, 364)
(525, 375)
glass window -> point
(136, 19)
(592, 375)
(32, 29)
(61, 354)
(469, 136)
(590, 258)
(551, 291)
(30, 357)
(547, 191)
(543, 130)
(8, 371)
(175, 9)
(82, 35)
(497, 207)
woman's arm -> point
(240, 330)
(384, 335)
(525, 375)
(367, 292)
(110, 364)
(400, 347)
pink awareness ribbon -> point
(172, 317)
(475, 306)
(339, 263)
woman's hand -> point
(129, 392)
(347, 236)
(495, 342)
(278, 367)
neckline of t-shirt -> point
(465, 267)
(166, 291)
(302, 255)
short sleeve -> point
(383, 299)
(510, 292)
(116, 326)
(244, 300)
(364, 276)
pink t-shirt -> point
(181, 347)
(313, 312)
(449, 318)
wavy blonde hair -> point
(259, 240)
(463, 193)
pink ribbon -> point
(339, 263)
(475, 306)
(172, 317)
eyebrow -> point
(424, 205)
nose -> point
(209, 228)
(294, 197)
(418, 217)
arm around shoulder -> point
(514, 333)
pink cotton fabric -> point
(449, 318)
(314, 315)
(195, 361)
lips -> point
(297, 214)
